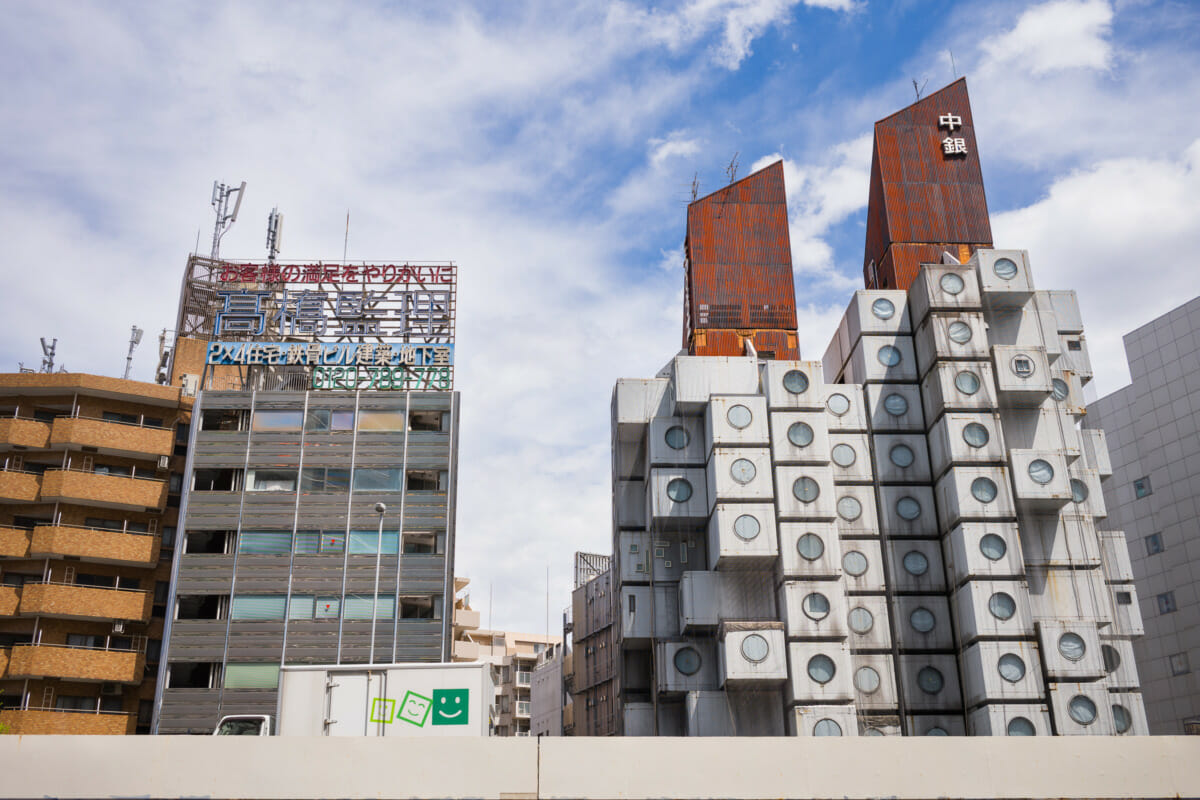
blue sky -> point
(549, 150)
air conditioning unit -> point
(190, 383)
(111, 689)
(164, 462)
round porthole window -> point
(861, 621)
(1041, 471)
(810, 547)
(855, 563)
(843, 455)
(866, 680)
(984, 490)
(993, 547)
(1071, 646)
(902, 455)
(1079, 490)
(883, 308)
(827, 727)
(915, 563)
(930, 680)
(873, 732)
(888, 355)
(936, 731)
(959, 332)
(922, 620)
(816, 606)
(679, 490)
(838, 404)
(742, 470)
(687, 660)
(895, 404)
(1112, 658)
(1122, 719)
(952, 283)
(755, 648)
(739, 416)
(1011, 667)
(1059, 388)
(800, 434)
(746, 527)
(677, 438)
(821, 668)
(849, 509)
(975, 435)
(1082, 710)
(806, 489)
(1005, 269)
(795, 381)
(966, 382)
(1002, 605)
(908, 508)
(1020, 726)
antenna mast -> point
(732, 169)
(274, 234)
(225, 217)
(135, 338)
(48, 355)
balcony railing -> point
(523, 708)
(110, 436)
(18, 486)
(99, 489)
(75, 663)
(14, 542)
(93, 544)
(10, 600)
(60, 721)
(24, 432)
(524, 678)
(71, 601)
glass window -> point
(883, 308)
(843, 455)
(676, 437)
(359, 606)
(816, 606)
(959, 332)
(679, 490)
(952, 283)
(1124, 598)
(272, 480)
(866, 680)
(257, 607)
(806, 489)
(1166, 603)
(821, 668)
(930, 680)
(381, 419)
(328, 607)
(1071, 646)
(908, 508)
(827, 727)
(984, 490)
(420, 543)
(363, 542)
(1079, 490)
(1122, 719)
(855, 563)
(755, 648)
(1179, 664)
(1002, 605)
(1059, 389)
(264, 542)
(795, 381)
(888, 355)
(993, 546)
(975, 434)
(849, 509)
(1022, 366)
(810, 547)
(1154, 544)
(1112, 658)
(376, 479)
(427, 421)
(967, 382)
(251, 676)
(922, 620)
(861, 620)
(687, 660)
(1141, 488)
(915, 563)
(1041, 471)
(1011, 667)
(800, 434)
(1005, 269)
(1082, 710)
(739, 416)
(838, 404)
(895, 404)
(742, 470)
(902, 456)
(271, 420)
(746, 527)
(301, 606)
(1020, 726)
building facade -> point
(1153, 429)
(546, 696)
(89, 496)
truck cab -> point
(244, 725)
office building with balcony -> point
(1153, 430)
(89, 495)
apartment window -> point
(153, 650)
(175, 483)
(369, 542)
(419, 607)
(200, 606)
(124, 419)
(188, 675)
(374, 479)
(381, 419)
(216, 420)
(215, 480)
(1141, 488)
(258, 607)
(1179, 664)
(1154, 544)
(265, 542)
(327, 608)
(88, 640)
(359, 606)
(277, 421)
(1191, 727)
(99, 581)
(324, 420)
(271, 480)
(426, 480)
(1022, 366)
(1124, 598)
(313, 542)
(113, 469)
(421, 543)
(168, 536)
(324, 479)
(1166, 603)
(426, 421)
(70, 702)
(207, 542)
(251, 676)
(1074, 344)
(161, 591)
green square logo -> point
(450, 706)
(414, 709)
(383, 710)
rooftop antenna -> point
(695, 186)
(732, 169)
(919, 89)
(346, 241)
(953, 68)
(48, 355)
(274, 234)
(135, 338)
(225, 217)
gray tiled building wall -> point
(1153, 428)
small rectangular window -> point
(271, 480)
(1141, 488)
(216, 420)
(374, 479)
(1074, 344)
(1154, 544)
(251, 676)
(420, 543)
(215, 480)
(265, 542)
(257, 607)
(190, 675)
(124, 419)
(358, 606)
(1191, 727)
(207, 542)
(417, 607)
(301, 606)
(1166, 603)
(380, 419)
(426, 420)
(307, 542)
(276, 421)
(363, 543)
(1022, 366)
(1179, 664)
(68, 702)
(328, 608)
(175, 483)
(333, 541)
(1124, 598)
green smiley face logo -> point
(450, 706)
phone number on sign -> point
(429, 379)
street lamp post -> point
(380, 509)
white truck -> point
(376, 700)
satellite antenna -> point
(135, 338)
(732, 169)
(274, 234)
(48, 355)
(225, 217)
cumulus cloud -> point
(1059, 35)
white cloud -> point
(1059, 35)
